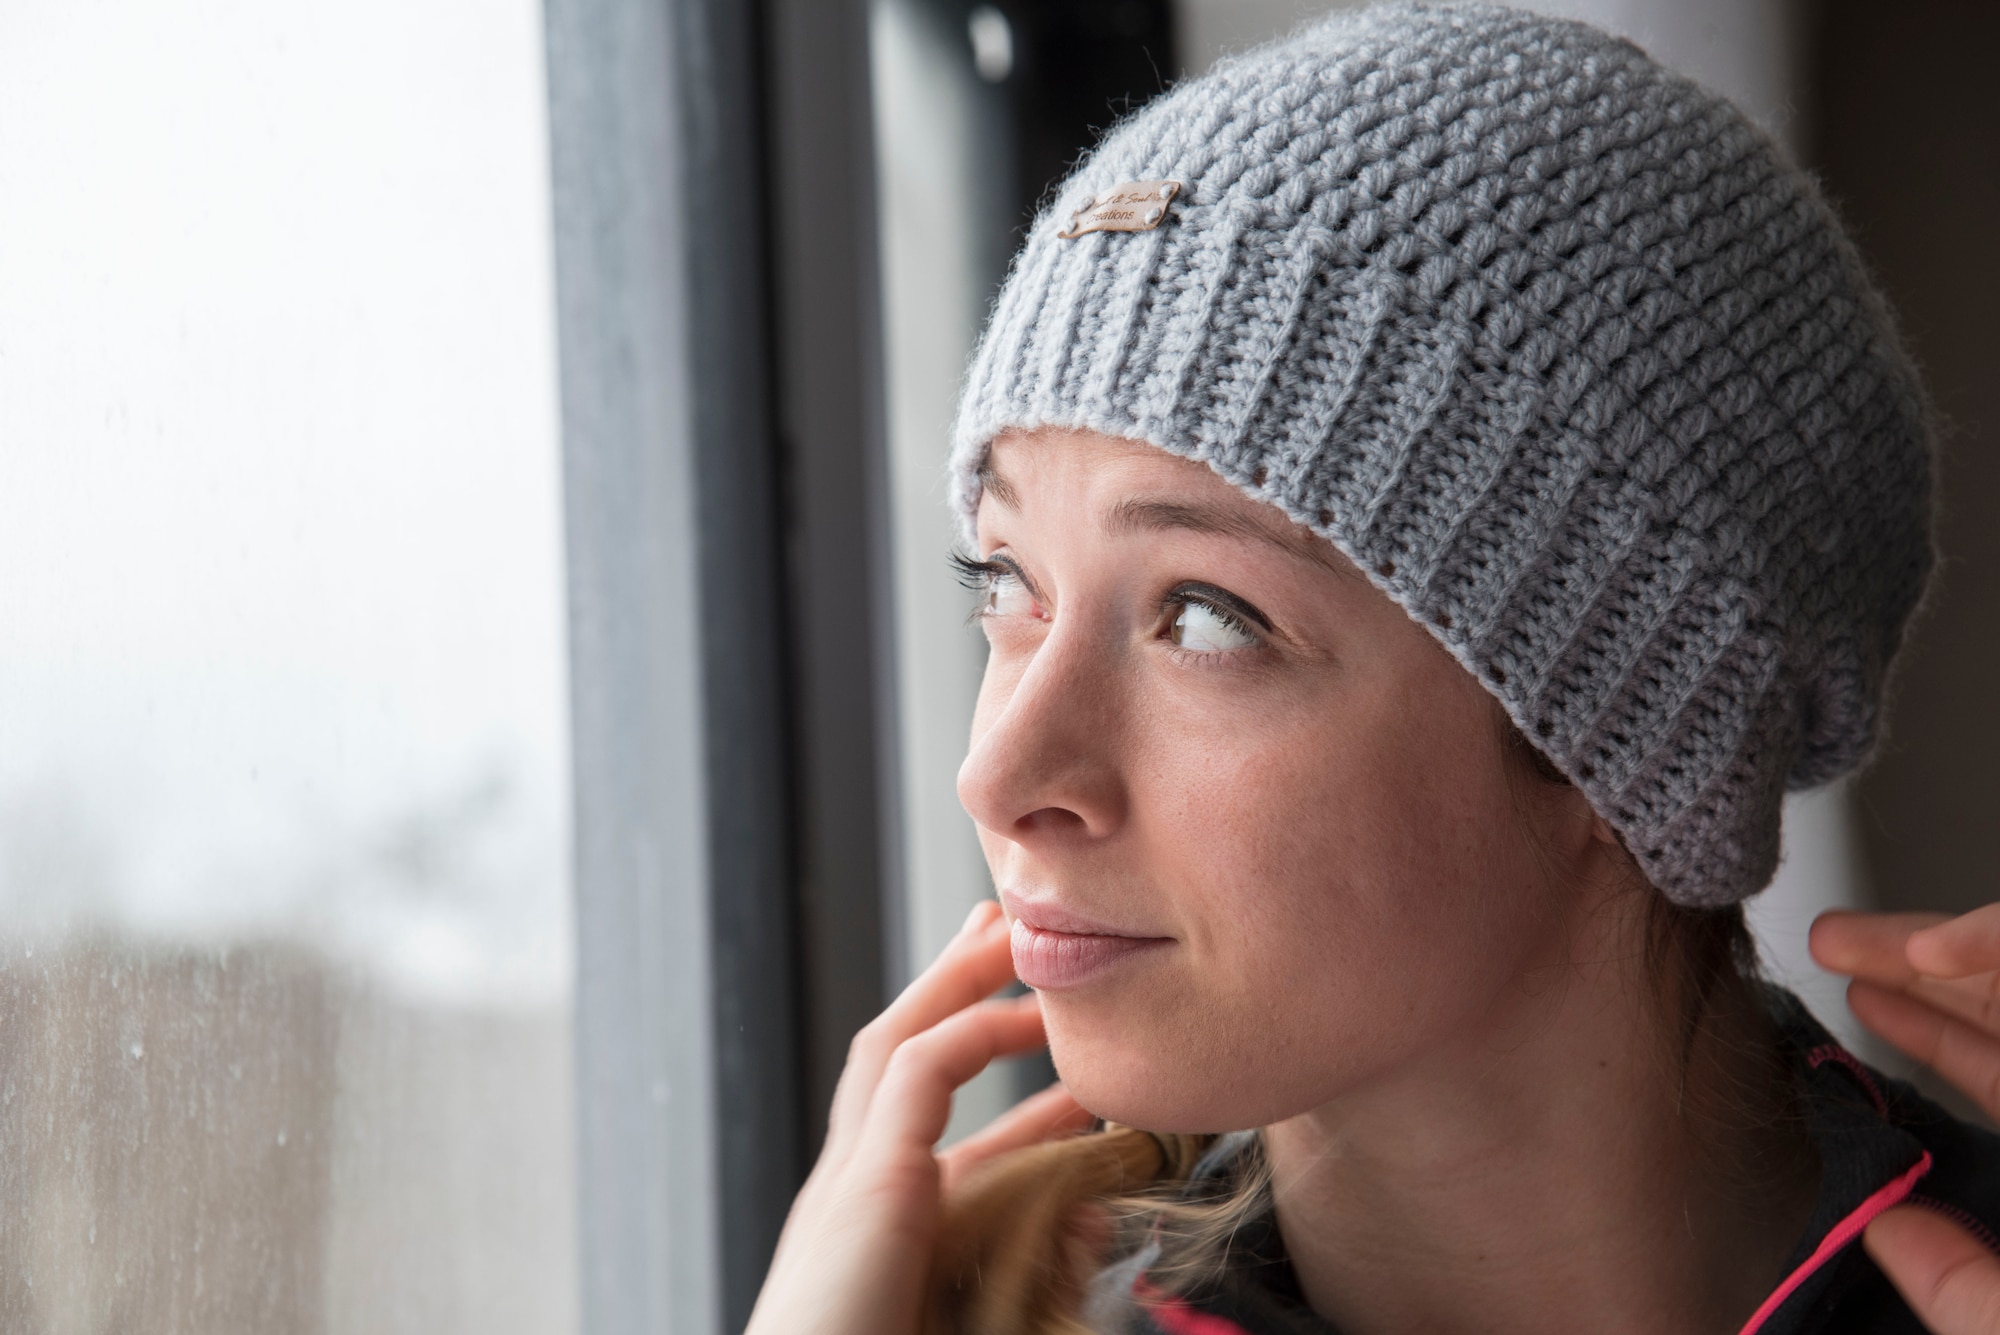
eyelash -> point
(978, 577)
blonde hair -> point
(1023, 1236)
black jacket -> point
(1879, 1141)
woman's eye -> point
(1206, 629)
(1002, 590)
(1006, 595)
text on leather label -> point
(1136, 206)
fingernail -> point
(972, 917)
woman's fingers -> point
(1975, 1000)
(973, 965)
(1874, 946)
(1045, 1116)
(914, 1098)
(1928, 984)
(969, 969)
(1958, 947)
(855, 1248)
(1958, 1051)
(1945, 1274)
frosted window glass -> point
(285, 947)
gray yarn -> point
(1560, 350)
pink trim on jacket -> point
(1175, 1317)
(1847, 1061)
(1846, 1231)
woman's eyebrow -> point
(998, 487)
(1151, 514)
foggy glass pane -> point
(285, 947)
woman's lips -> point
(1048, 959)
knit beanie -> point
(1557, 347)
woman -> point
(1434, 483)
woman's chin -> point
(1123, 1085)
(1139, 1076)
(1168, 1116)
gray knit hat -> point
(1557, 347)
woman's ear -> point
(1587, 834)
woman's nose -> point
(1045, 757)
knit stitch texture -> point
(1560, 350)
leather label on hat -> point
(1136, 206)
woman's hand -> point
(856, 1249)
(1931, 986)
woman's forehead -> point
(1128, 488)
(1040, 468)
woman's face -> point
(1253, 825)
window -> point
(285, 943)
